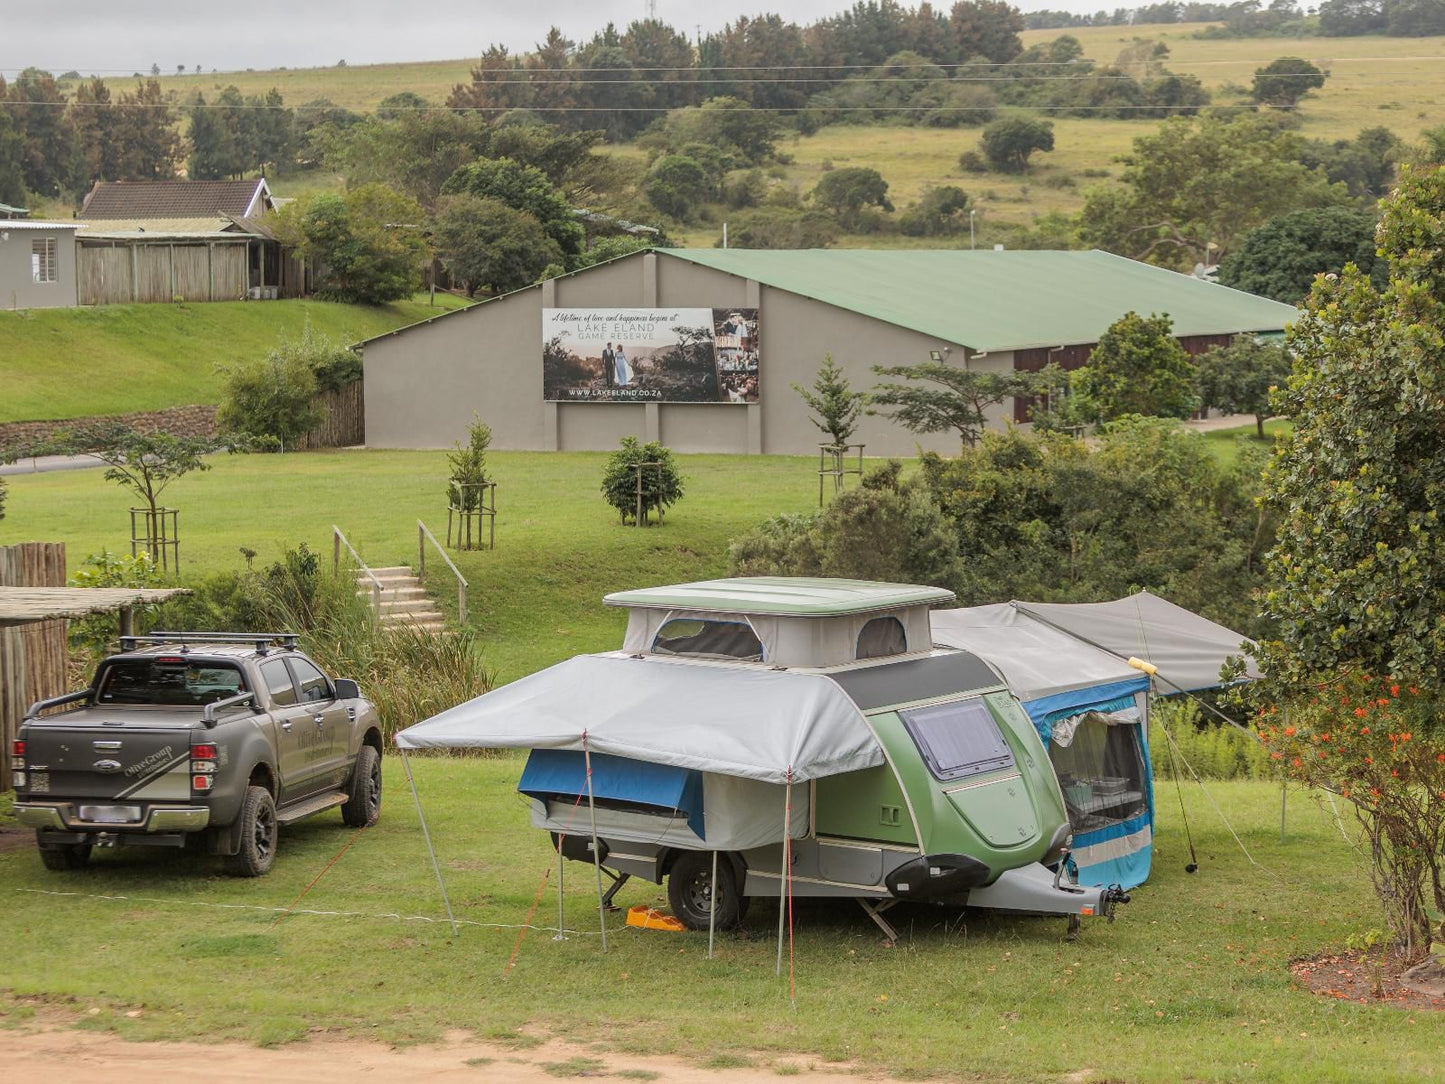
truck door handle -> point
(318, 719)
(286, 725)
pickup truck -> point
(209, 741)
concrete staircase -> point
(404, 600)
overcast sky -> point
(122, 36)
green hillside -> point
(69, 363)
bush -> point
(781, 227)
(407, 673)
(92, 637)
(661, 485)
(275, 396)
(886, 529)
(469, 467)
(1008, 143)
(938, 213)
(677, 185)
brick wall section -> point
(186, 421)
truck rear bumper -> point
(63, 817)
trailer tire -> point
(257, 821)
(363, 803)
(61, 857)
(690, 891)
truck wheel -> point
(63, 856)
(691, 892)
(258, 835)
(363, 806)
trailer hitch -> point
(1111, 897)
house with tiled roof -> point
(183, 240)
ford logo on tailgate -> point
(107, 765)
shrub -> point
(469, 467)
(91, 637)
(661, 485)
(836, 405)
(1009, 142)
(275, 396)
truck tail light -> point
(17, 765)
(203, 767)
(17, 748)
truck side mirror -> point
(346, 689)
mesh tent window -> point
(880, 637)
(1101, 771)
(705, 639)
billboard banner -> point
(650, 355)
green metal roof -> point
(989, 300)
(792, 596)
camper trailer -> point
(799, 725)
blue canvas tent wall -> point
(1068, 663)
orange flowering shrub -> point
(1380, 746)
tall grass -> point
(408, 673)
(1213, 749)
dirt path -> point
(52, 1053)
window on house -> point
(42, 260)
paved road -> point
(46, 463)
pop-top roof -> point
(988, 300)
(788, 596)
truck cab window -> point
(167, 681)
(708, 639)
(278, 683)
(311, 681)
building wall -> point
(17, 288)
(424, 383)
(137, 271)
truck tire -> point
(363, 804)
(63, 856)
(691, 892)
(257, 820)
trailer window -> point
(958, 739)
(881, 636)
(708, 639)
(185, 683)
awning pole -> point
(561, 874)
(787, 864)
(426, 835)
(596, 851)
(712, 909)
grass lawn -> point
(1224, 443)
(1191, 983)
(536, 598)
(110, 359)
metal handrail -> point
(422, 534)
(337, 541)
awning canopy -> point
(769, 725)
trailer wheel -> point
(258, 835)
(63, 856)
(363, 804)
(691, 892)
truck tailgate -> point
(113, 762)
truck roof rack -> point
(262, 641)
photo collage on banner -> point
(689, 355)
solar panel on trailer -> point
(958, 739)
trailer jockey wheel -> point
(691, 892)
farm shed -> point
(746, 325)
(156, 241)
(37, 264)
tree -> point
(661, 485)
(758, 53)
(1356, 582)
(369, 243)
(847, 191)
(1281, 258)
(275, 396)
(1284, 81)
(1191, 190)
(1349, 18)
(1008, 142)
(469, 472)
(36, 104)
(1242, 377)
(729, 124)
(676, 185)
(781, 227)
(1138, 367)
(141, 462)
(836, 405)
(1415, 18)
(938, 213)
(12, 154)
(988, 28)
(524, 188)
(485, 244)
(396, 105)
(212, 143)
(959, 399)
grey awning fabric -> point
(728, 719)
(1036, 660)
(1189, 650)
